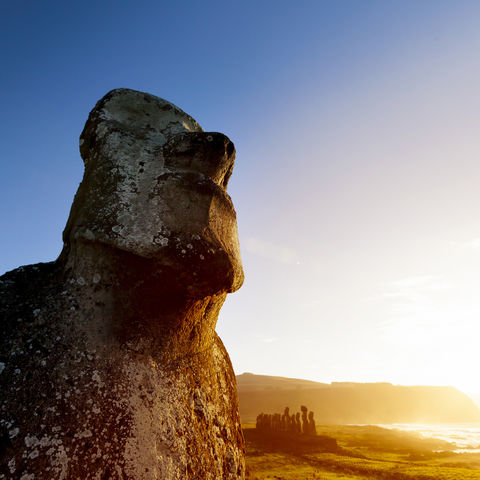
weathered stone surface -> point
(110, 367)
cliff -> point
(344, 403)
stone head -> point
(154, 188)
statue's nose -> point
(209, 153)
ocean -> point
(465, 436)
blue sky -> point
(356, 183)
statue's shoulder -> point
(22, 294)
(26, 280)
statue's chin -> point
(206, 269)
(193, 266)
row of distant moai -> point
(276, 422)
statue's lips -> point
(192, 184)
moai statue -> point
(304, 410)
(311, 424)
(276, 416)
(298, 423)
(282, 423)
(286, 419)
(258, 423)
(293, 424)
(110, 366)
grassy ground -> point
(360, 452)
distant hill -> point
(249, 381)
(343, 403)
